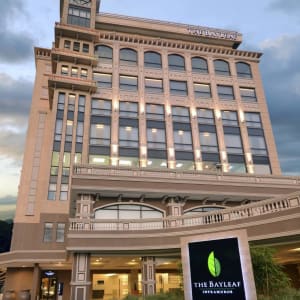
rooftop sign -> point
(212, 33)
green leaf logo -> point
(214, 265)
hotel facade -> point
(142, 132)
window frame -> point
(222, 67)
(176, 66)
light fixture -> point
(180, 132)
(218, 114)
(242, 116)
(98, 159)
(153, 130)
(206, 134)
(114, 148)
(179, 165)
(124, 162)
(163, 164)
(128, 128)
(149, 162)
(100, 126)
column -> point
(36, 281)
(148, 275)
(134, 280)
(80, 284)
(175, 208)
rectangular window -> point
(101, 107)
(233, 143)
(253, 120)
(54, 163)
(60, 232)
(128, 109)
(248, 94)
(103, 80)
(79, 132)
(225, 92)
(129, 83)
(83, 73)
(182, 139)
(64, 192)
(229, 118)
(178, 88)
(81, 103)
(202, 90)
(51, 191)
(67, 44)
(155, 112)
(208, 142)
(100, 134)
(156, 138)
(64, 70)
(205, 116)
(48, 232)
(85, 48)
(58, 130)
(128, 136)
(76, 46)
(153, 85)
(180, 114)
(79, 16)
(61, 101)
(69, 130)
(258, 145)
(74, 72)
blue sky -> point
(268, 26)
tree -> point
(268, 275)
(5, 235)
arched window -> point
(243, 70)
(128, 211)
(201, 209)
(222, 67)
(176, 62)
(128, 57)
(152, 60)
(199, 65)
(104, 53)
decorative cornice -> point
(106, 36)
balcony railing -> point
(92, 170)
(262, 208)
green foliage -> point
(5, 235)
(270, 280)
(289, 294)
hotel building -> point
(142, 132)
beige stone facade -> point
(141, 132)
